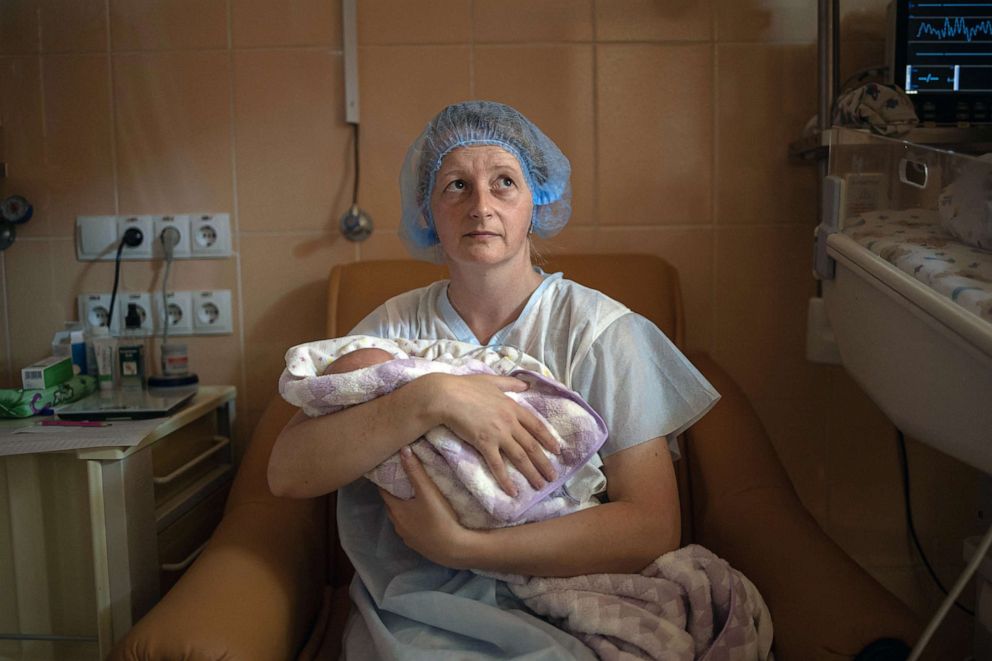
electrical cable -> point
(133, 238)
(945, 606)
(354, 195)
(904, 463)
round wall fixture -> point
(7, 234)
(16, 209)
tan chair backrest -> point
(646, 284)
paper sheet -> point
(26, 436)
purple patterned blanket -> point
(458, 469)
(687, 604)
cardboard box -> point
(46, 373)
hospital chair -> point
(272, 582)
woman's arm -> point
(314, 456)
(640, 523)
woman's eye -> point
(506, 182)
(457, 184)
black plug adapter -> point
(133, 237)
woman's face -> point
(482, 206)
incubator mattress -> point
(913, 241)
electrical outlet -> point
(181, 223)
(210, 235)
(94, 309)
(143, 223)
(96, 238)
(143, 301)
(180, 313)
(212, 312)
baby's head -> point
(358, 359)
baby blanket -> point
(459, 471)
(687, 604)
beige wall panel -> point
(256, 23)
(765, 20)
(295, 163)
(34, 314)
(763, 282)
(78, 26)
(558, 97)
(18, 27)
(285, 285)
(402, 88)
(168, 24)
(649, 20)
(78, 139)
(655, 134)
(21, 107)
(765, 95)
(173, 113)
(515, 21)
(383, 22)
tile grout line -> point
(595, 117)
(235, 212)
(471, 49)
(6, 317)
(714, 179)
(113, 110)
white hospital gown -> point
(410, 608)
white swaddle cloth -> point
(456, 468)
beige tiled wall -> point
(676, 116)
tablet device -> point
(126, 404)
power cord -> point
(904, 463)
(132, 238)
(169, 239)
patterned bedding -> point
(913, 241)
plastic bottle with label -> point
(131, 352)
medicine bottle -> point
(131, 352)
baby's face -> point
(358, 359)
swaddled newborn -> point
(323, 377)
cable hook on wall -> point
(356, 224)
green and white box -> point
(46, 373)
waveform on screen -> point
(953, 29)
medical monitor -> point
(940, 53)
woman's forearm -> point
(617, 537)
(315, 456)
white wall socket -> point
(93, 311)
(143, 302)
(96, 237)
(201, 236)
(180, 313)
(143, 223)
(181, 224)
(210, 235)
(212, 312)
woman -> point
(475, 185)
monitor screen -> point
(943, 58)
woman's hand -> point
(426, 523)
(477, 409)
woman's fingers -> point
(498, 468)
(509, 384)
(423, 485)
(535, 455)
(539, 432)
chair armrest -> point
(746, 510)
(252, 594)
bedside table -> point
(91, 538)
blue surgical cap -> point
(474, 123)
